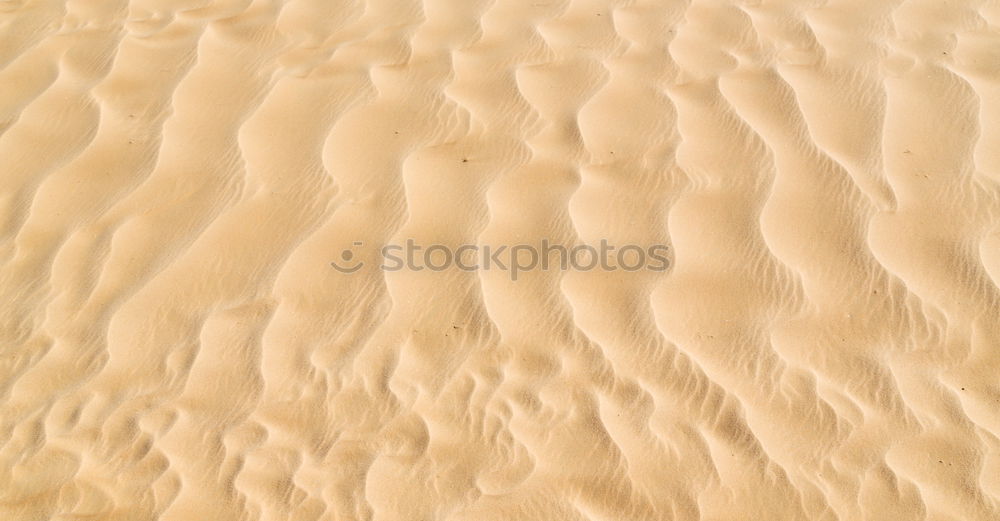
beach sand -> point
(183, 182)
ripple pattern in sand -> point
(176, 176)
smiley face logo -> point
(346, 257)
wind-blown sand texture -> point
(177, 176)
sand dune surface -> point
(197, 319)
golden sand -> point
(177, 176)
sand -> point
(181, 182)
